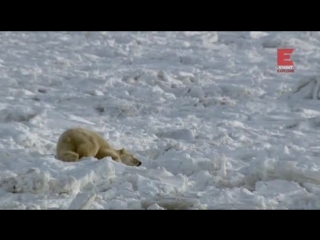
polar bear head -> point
(128, 159)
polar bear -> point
(75, 143)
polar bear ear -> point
(122, 151)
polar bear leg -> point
(87, 150)
(69, 156)
(105, 152)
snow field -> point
(214, 124)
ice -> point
(213, 123)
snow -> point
(214, 124)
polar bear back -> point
(72, 138)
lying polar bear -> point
(76, 143)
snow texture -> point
(214, 124)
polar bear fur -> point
(76, 143)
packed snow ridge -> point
(213, 123)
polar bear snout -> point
(137, 162)
(129, 159)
